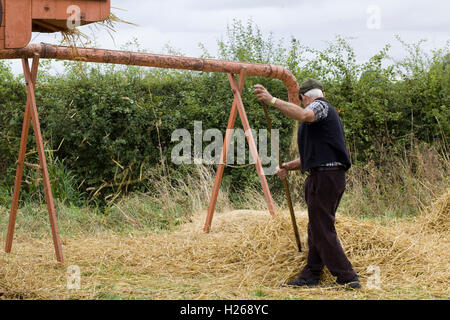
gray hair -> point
(314, 93)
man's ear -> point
(323, 93)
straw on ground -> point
(248, 255)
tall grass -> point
(169, 200)
(400, 183)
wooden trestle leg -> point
(31, 112)
(237, 107)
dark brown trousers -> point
(323, 192)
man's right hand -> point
(282, 172)
(262, 94)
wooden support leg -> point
(252, 144)
(31, 111)
(223, 156)
(238, 106)
(20, 163)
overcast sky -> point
(185, 23)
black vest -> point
(323, 142)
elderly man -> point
(323, 154)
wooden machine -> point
(19, 18)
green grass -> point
(259, 293)
(136, 214)
(399, 186)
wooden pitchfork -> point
(285, 185)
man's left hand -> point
(282, 172)
(262, 94)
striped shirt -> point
(319, 108)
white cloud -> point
(185, 23)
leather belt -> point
(318, 169)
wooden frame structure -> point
(139, 59)
(237, 106)
(31, 113)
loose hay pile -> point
(436, 219)
(247, 255)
